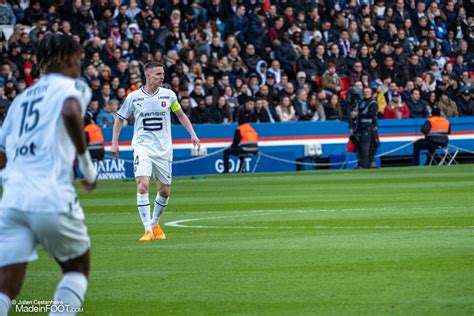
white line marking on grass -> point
(181, 223)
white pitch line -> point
(180, 223)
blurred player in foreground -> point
(151, 106)
(39, 140)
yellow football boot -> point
(147, 236)
(158, 232)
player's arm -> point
(3, 159)
(73, 122)
(3, 155)
(118, 124)
(184, 120)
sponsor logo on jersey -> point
(163, 97)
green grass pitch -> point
(387, 241)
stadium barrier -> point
(283, 146)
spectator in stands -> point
(418, 108)
(447, 106)
(396, 108)
(465, 103)
(330, 81)
(262, 112)
(316, 108)
(333, 110)
(307, 64)
(7, 16)
(285, 110)
(106, 116)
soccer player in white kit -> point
(39, 140)
(151, 106)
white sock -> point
(160, 206)
(143, 204)
(70, 291)
(5, 304)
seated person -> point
(436, 130)
(245, 140)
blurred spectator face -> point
(322, 95)
(414, 60)
(241, 10)
(234, 52)
(415, 95)
(393, 87)
(279, 23)
(6, 71)
(228, 91)
(388, 62)
(122, 66)
(275, 65)
(320, 50)
(400, 5)
(253, 81)
(137, 38)
(202, 104)
(332, 70)
(335, 99)
(284, 80)
(121, 93)
(209, 100)
(134, 79)
(225, 80)
(358, 67)
(423, 20)
(264, 90)
(94, 106)
(335, 50)
(250, 105)
(421, 7)
(305, 50)
(113, 106)
(198, 89)
(289, 88)
(184, 103)
(117, 53)
(259, 104)
(367, 93)
(250, 50)
(123, 9)
(90, 70)
(303, 95)
(106, 89)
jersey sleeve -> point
(80, 92)
(126, 109)
(175, 106)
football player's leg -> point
(17, 248)
(11, 281)
(64, 237)
(143, 172)
(163, 186)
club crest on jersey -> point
(163, 104)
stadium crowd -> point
(279, 60)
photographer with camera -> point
(363, 125)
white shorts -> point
(152, 166)
(63, 235)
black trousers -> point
(366, 146)
(231, 151)
(421, 144)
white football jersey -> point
(40, 154)
(152, 129)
